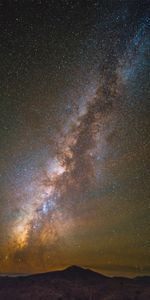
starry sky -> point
(74, 105)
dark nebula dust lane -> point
(74, 136)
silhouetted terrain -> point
(74, 283)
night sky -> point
(74, 104)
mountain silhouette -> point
(73, 283)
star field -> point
(74, 136)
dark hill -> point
(73, 283)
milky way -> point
(75, 137)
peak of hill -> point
(81, 273)
(71, 273)
(74, 268)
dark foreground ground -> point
(73, 283)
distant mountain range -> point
(74, 283)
